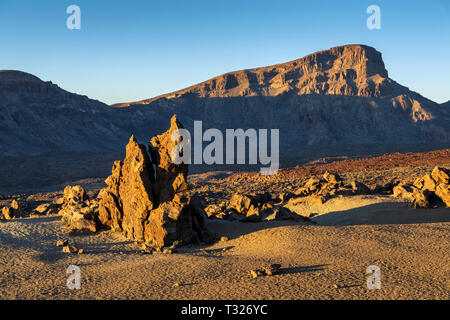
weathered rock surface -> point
(144, 198)
(330, 185)
(267, 207)
(427, 191)
(79, 213)
(11, 212)
(171, 177)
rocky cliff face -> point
(352, 70)
(37, 117)
(329, 100)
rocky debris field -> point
(244, 196)
(150, 200)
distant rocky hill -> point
(331, 102)
(336, 99)
(38, 117)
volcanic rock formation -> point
(145, 200)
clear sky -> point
(137, 49)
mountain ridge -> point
(335, 97)
(365, 63)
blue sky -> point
(132, 50)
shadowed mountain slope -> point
(326, 101)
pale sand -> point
(414, 260)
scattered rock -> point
(256, 273)
(360, 188)
(81, 223)
(7, 213)
(281, 213)
(74, 195)
(62, 243)
(78, 213)
(285, 196)
(420, 199)
(404, 191)
(13, 211)
(270, 270)
(42, 209)
(223, 239)
(428, 191)
(328, 185)
(70, 248)
(213, 210)
(240, 203)
(331, 178)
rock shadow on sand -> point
(383, 213)
(295, 270)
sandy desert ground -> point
(326, 261)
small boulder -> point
(70, 248)
(285, 196)
(281, 213)
(331, 177)
(256, 273)
(213, 210)
(253, 215)
(404, 191)
(240, 203)
(75, 194)
(81, 223)
(360, 188)
(272, 269)
(62, 243)
(7, 213)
